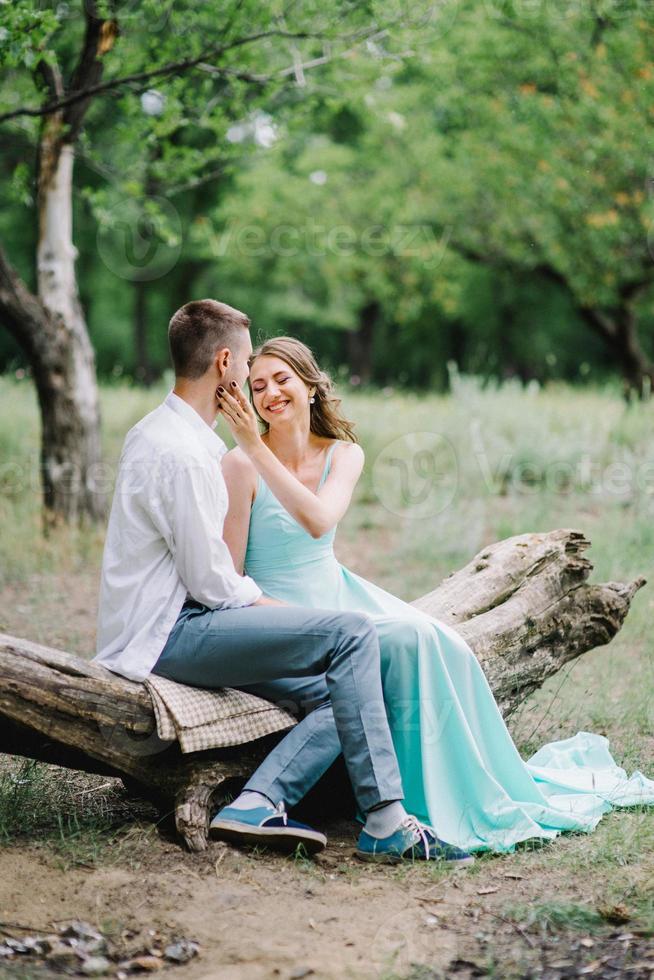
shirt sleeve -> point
(196, 515)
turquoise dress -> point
(460, 769)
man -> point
(172, 602)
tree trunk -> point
(637, 369)
(524, 605)
(65, 377)
(143, 368)
(50, 327)
(361, 341)
(619, 330)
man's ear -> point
(223, 361)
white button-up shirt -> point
(164, 539)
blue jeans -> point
(323, 665)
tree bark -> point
(50, 327)
(361, 341)
(619, 330)
(524, 605)
(143, 367)
(71, 452)
(65, 384)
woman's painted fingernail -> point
(221, 389)
(233, 384)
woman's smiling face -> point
(277, 391)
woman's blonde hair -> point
(326, 418)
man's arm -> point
(202, 558)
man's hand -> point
(240, 417)
(265, 600)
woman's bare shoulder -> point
(345, 446)
(350, 452)
(235, 463)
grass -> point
(508, 460)
(635, 912)
(555, 916)
(83, 820)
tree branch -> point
(173, 67)
(195, 182)
(325, 58)
(599, 321)
(600, 24)
(538, 37)
(98, 40)
(630, 291)
(51, 76)
(21, 311)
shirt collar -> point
(209, 438)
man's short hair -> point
(199, 329)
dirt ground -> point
(258, 915)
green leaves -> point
(426, 156)
(24, 33)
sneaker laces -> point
(420, 831)
(280, 810)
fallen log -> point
(525, 607)
(523, 604)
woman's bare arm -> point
(331, 502)
(318, 512)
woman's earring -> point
(311, 400)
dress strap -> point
(262, 486)
(328, 463)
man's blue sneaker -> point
(266, 827)
(412, 841)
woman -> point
(461, 771)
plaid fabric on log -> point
(210, 719)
